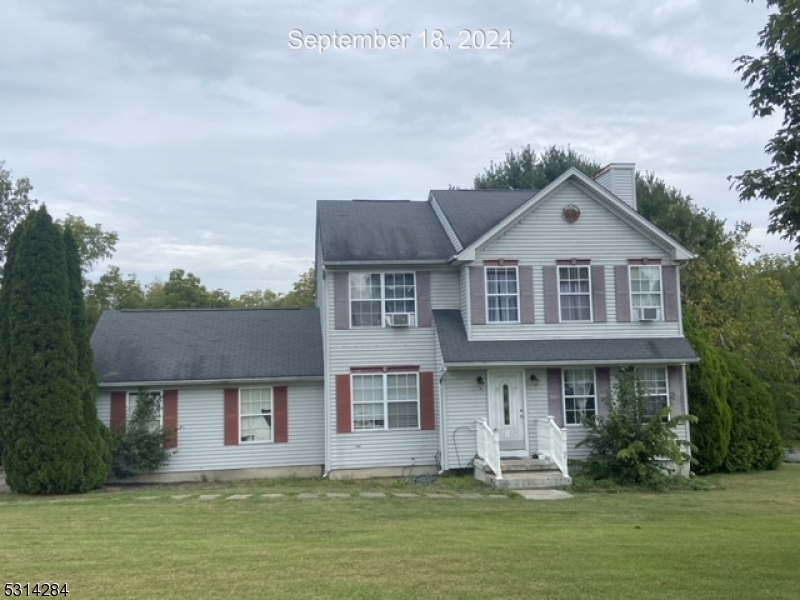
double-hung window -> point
(385, 401)
(655, 378)
(374, 296)
(580, 400)
(155, 421)
(575, 293)
(502, 294)
(645, 290)
(255, 414)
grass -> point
(740, 539)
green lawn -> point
(739, 541)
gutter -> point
(561, 363)
(184, 382)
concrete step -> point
(529, 481)
(526, 464)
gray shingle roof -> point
(207, 345)
(474, 212)
(456, 349)
(381, 230)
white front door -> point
(507, 410)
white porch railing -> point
(488, 444)
(552, 443)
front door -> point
(507, 411)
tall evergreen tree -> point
(46, 445)
(98, 461)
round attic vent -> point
(571, 213)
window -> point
(579, 395)
(133, 399)
(574, 292)
(375, 295)
(502, 294)
(255, 414)
(385, 401)
(656, 381)
(645, 289)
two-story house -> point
(476, 323)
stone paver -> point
(497, 497)
(147, 497)
(543, 494)
(470, 496)
(272, 496)
(440, 496)
(373, 495)
(181, 496)
(308, 496)
(209, 497)
(239, 497)
(334, 495)
(406, 495)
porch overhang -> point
(458, 351)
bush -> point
(630, 447)
(755, 438)
(140, 448)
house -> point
(473, 328)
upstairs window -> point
(502, 294)
(575, 293)
(374, 296)
(646, 292)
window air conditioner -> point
(398, 320)
(648, 314)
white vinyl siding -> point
(201, 435)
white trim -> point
(486, 294)
(385, 401)
(591, 293)
(271, 439)
(661, 292)
(677, 251)
(564, 394)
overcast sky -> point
(194, 130)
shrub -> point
(140, 447)
(629, 446)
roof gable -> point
(207, 345)
(593, 190)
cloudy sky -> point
(194, 130)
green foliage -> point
(708, 384)
(140, 448)
(93, 243)
(755, 440)
(773, 80)
(97, 463)
(629, 446)
(526, 170)
(15, 204)
(46, 446)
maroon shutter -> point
(427, 418)
(171, 418)
(622, 293)
(550, 286)
(526, 294)
(477, 295)
(555, 401)
(118, 402)
(670, 276)
(344, 418)
(280, 414)
(603, 375)
(232, 417)
(341, 300)
(599, 293)
(675, 384)
(423, 298)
